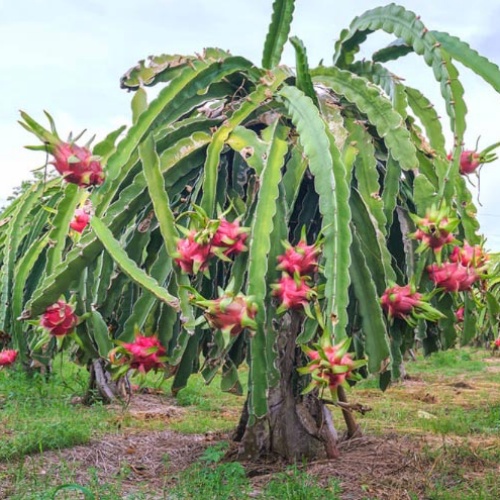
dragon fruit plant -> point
(227, 161)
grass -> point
(452, 401)
(37, 414)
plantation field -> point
(434, 436)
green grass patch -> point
(297, 484)
(37, 414)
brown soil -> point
(386, 467)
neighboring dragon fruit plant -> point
(223, 164)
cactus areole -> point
(305, 223)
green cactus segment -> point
(467, 211)
(303, 79)
(252, 102)
(380, 112)
(128, 266)
(14, 236)
(333, 190)
(375, 73)
(464, 54)
(160, 271)
(100, 334)
(60, 225)
(470, 320)
(424, 194)
(139, 104)
(393, 51)
(391, 189)
(408, 27)
(168, 103)
(250, 146)
(278, 32)
(21, 272)
(258, 249)
(106, 147)
(373, 242)
(376, 340)
(425, 112)
(159, 197)
(365, 171)
(295, 169)
(143, 74)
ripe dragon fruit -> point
(8, 357)
(192, 255)
(80, 220)
(405, 303)
(229, 238)
(470, 256)
(59, 319)
(453, 276)
(435, 229)
(292, 293)
(330, 366)
(301, 259)
(496, 343)
(470, 160)
(230, 313)
(77, 165)
(399, 301)
(144, 354)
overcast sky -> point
(67, 57)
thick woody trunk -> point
(101, 386)
(296, 427)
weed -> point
(296, 484)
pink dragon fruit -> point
(460, 314)
(453, 276)
(405, 303)
(193, 255)
(469, 162)
(301, 259)
(399, 301)
(330, 366)
(77, 165)
(470, 256)
(230, 313)
(230, 238)
(59, 319)
(497, 343)
(144, 354)
(8, 357)
(292, 293)
(80, 220)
